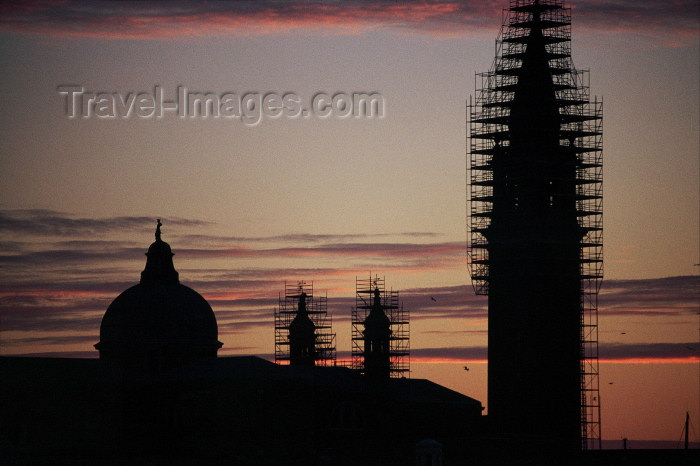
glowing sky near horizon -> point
(246, 208)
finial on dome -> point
(159, 262)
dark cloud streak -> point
(645, 297)
(52, 223)
(608, 352)
(298, 238)
(618, 351)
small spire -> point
(536, 14)
(377, 299)
(159, 262)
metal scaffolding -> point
(399, 342)
(580, 120)
(317, 309)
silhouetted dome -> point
(163, 312)
(158, 323)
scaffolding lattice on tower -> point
(580, 132)
(317, 310)
(399, 341)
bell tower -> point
(535, 221)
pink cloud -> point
(671, 22)
(167, 20)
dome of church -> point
(158, 323)
(163, 312)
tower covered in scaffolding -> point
(380, 331)
(535, 221)
(303, 334)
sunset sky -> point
(247, 206)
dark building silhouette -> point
(380, 331)
(302, 337)
(246, 411)
(159, 323)
(376, 336)
(535, 197)
(241, 411)
(159, 395)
